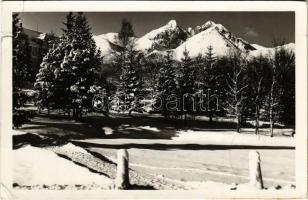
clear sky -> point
(255, 27)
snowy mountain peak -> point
(165, 37)
(205, 26)
(209, 23)
(200, 42)
(172, 24)
(172, 37)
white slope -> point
(290, 46)
(146, 41)
(260, 50)
(199, 43)
(37, 166)
(111, 37)
(265, 51)
(239, 42)
(258, 47)
(103, 43)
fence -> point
(122, 178)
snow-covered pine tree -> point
(186, 85)
(129, 65)
(130, 83)
(70, 68)
(45, 80)
(166, 84)
(53, 79)
(83, 61)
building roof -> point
(31, 33)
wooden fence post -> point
(255, 174)
(122, 179)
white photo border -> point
(8, 7)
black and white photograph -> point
(181, 100)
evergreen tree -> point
(150, 72)
(126, 33)
(70, 68)
(129, 63)
(22, 72)
(83, 61)
(22, 68)
(211, 83)
(166, 84)
(69, 26)
(45, 79)
(186, 85)
(130, 84)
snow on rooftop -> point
(42, 36)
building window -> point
(34, 51)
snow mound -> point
(107, 130)
(36, 166)
(149, 128)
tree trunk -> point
(74, 113)
(211, 116)
(80, 113)
(238, 125)
(257, 120)
(272, 127)
(271, 114)
(130, 112)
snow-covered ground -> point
(40, 168)
(37, 166)
(208, 137)
(232, 138)
(163, 157)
